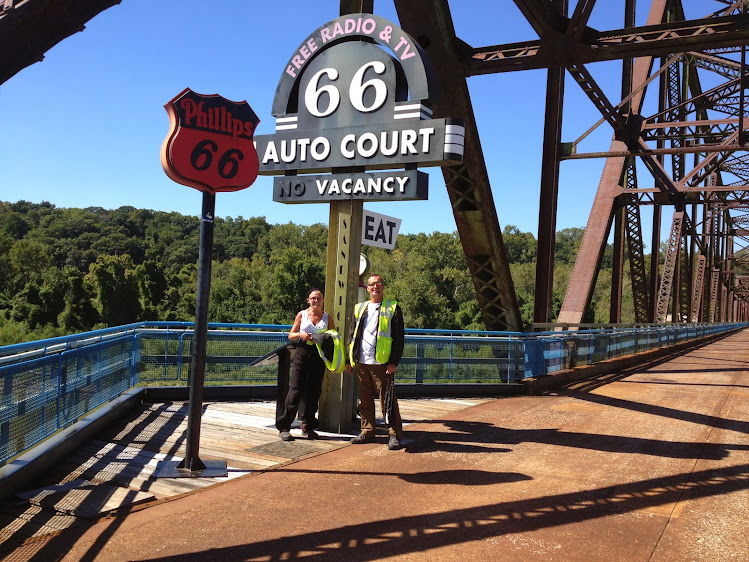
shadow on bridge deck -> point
(647, 464)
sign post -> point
(209, 147)
(353, 122)
(337, 406)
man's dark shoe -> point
(361, 438)
(310, 434)
(394, 444)
(286, 436)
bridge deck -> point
(649, 464)
(118, 469)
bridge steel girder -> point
(430, 23)
(29, 28)
(549, 192)
(595, 46)
(670, 267)
(585, 270)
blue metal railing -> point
(49, 384)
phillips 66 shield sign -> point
(210, 143)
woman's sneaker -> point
(286, 436)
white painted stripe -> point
(455, 130)
(408, 106)
(455, 139)
(285, 127)
(454, 149)
(287, 119)
(400, 111)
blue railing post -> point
(61, 391)
(180, 350)
(533, 358)
(166, 354)
(134, 358)
(509, 351)
(7, 404)
(43, 415)
(419, 364)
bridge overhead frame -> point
(690, 154)
(670, 54)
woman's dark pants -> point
(306, 384)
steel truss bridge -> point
(687, 152)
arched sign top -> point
(358, 27)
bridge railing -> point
(49, 384)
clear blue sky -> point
(84, 127)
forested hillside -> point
(70, 270)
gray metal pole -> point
(197, 372)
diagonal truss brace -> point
(669, 267)
(697, 289)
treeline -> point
(69, 270)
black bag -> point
(326, 343)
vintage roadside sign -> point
(355, 98)
(379, 230)
(209, 147)
(210, 142)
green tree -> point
(29, 258)
(78, 313)
(27, 304)
(428, 274)
(181, 295)
(292, 272)
(173, 240)
(520, 247)
(567, 243)
(12, 223)
(115, 284)
(524, 279)
(6, 271)
(152, 285)
(235, 292)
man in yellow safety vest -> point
(375, 347)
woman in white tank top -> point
(308, 368)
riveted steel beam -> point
(430, 23)
(649, 40)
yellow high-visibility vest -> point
(384, 331)
(338, 363)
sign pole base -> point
(205, 469)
